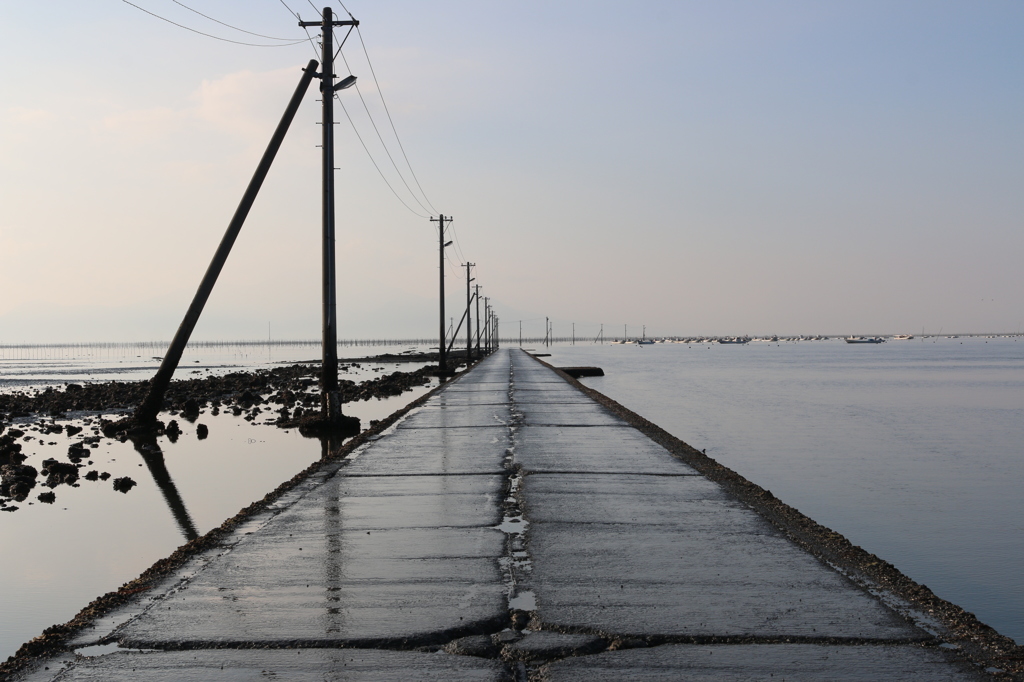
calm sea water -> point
(913, 450)
(59, 557)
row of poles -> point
(486, 334)
(486, 338)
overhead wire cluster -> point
(286, 42)
(418, 197)
(426, 208)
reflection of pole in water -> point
(335, 616)
(154, 459)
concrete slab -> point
(298, 665)
(635, 580)
(357, 559)
(791, 662)
(351, 587)
(435, 452)
(467, 416)
(488, 397)
(592, 449)
(689, 502)
(566, 414)
(456, 501)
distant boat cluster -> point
(739, 340)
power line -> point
(356, 130)
(390, 120)
(290, 11)
(373, 161)
(217, 21)
(208, 35)
(381, 138)
(346, 9)
(458, 246)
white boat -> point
(864, 339)
(903, 337)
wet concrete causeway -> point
(511, 528)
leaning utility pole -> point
(442, 350)
(330, 400)
(469, 319)
(146, 413)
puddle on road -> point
(523, 601)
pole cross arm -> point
(306, 24)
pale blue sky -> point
(698, 167)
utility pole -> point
(574, 333)
(476, 292)
(330, 401)
(547, 329)
(442, 350)
(520, 333)
(469, 320)
(487, 322)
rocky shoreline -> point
(283, 395)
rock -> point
(72, 430)
(77, 452)
(202, 431)
(58, 472)
(92, 475)
(17, 480)
(104, 476)
(124, 484)
(173, 431)
(191, 409)
(47, 497)
(10, 452)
